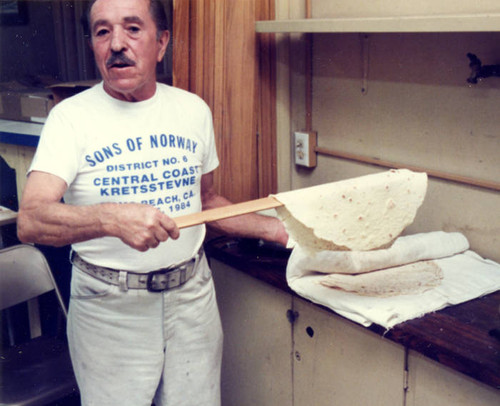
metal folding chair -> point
(36, 368)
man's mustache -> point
(119, 58)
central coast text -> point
(146, 183)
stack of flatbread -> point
(408, 267)
(345, 257)
(362, 214)
(466, 276)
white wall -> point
(418, 110)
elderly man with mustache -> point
(128, 156)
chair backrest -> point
(24, 275)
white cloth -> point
(153, 152)
(465, 276)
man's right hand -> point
(138, 225)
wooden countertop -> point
(465, 337)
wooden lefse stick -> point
(224, 212)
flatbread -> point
(359, 214)
(401, 280)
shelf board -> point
(20, 133)
(438, 23)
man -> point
(128, 156)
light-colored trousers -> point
(132, 347)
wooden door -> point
(218, 55)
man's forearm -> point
(140, 226)
(248, 225)
(59, 224)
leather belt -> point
(154, 281)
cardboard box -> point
(36, 106)
(21, 103)
(61, 91)
(32, 105)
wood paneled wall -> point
(218, 55)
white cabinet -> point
(432, 384)
(334, 361)
(342, 364)
(321, 359)
(256, 366)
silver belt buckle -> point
(157, 280)
(168, 278)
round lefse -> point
(406, 279)
(358, 214)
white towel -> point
(465, 277)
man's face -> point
(126, 48)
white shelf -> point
(20, 127)
(20, 133)
(438, 23)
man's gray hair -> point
(156, 10)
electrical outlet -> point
(304, 147)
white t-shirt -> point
(152, 152)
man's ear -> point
(162, 44)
